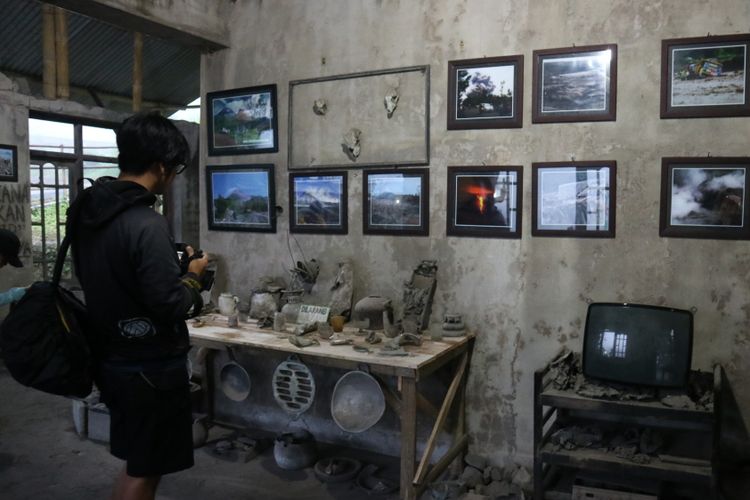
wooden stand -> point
(695, 471)
(406, 400)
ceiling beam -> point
(195, 23)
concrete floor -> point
(42, 457)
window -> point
(63, 151)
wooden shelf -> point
(692, 435)
(652, 409)
(597, 460)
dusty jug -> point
(228, 304)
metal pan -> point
(357, 402)
(234, 379)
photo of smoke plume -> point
(708, 196)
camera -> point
(207, 280)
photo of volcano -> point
(575, 83)
(318, 203)
(240, 198)
(486, 200)
(8, 163)
(242, 121)
(708, 196)
(396, 202)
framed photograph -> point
(8, 163)
(704, 198)
(396, 202)
(704, 77)
(242, 121)
(317, 203)
(575, 84)
(241, 198)
(485, 201)
(485, 93)
(575, 199)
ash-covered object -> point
(574, 437)
(343, 286)
(633, 444)
(418, 294)
(481, 480)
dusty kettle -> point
(295, 450)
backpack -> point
(43, 338)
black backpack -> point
(43, 338)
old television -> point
(638, 344)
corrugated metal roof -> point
(100, 55)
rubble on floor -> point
(480, 480)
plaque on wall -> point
(374, 118)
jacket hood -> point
(106, 199)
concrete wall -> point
(525, 298)
(15, 214)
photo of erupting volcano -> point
(705, 198)
(484, 201)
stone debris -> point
(471, 477)
(476, 461)
(678, 401)
(522, 478)
(574, 437)
(498, 489)
(481, 480)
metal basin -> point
(358, 402)
(234, 379)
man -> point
(126, 262)
(9, 247)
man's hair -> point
(146, 139)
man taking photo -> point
(137, 301)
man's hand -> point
(198, 265)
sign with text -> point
(312, 314)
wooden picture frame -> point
(575, 84)
(485, 202)
(241, 198)
(574, 199)
(318, 203)
(242, 121)
(396, 202)
(485, 93)
(705, 198)
(8, 163)
(705, 77)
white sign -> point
(312, 314)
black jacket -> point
(126, 262)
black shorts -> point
(150, 416)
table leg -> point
(408, 436)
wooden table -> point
(406, 400)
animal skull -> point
(351, 143)
(320, 107)
(391, 101)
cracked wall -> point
(525, 298)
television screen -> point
(638, 344)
